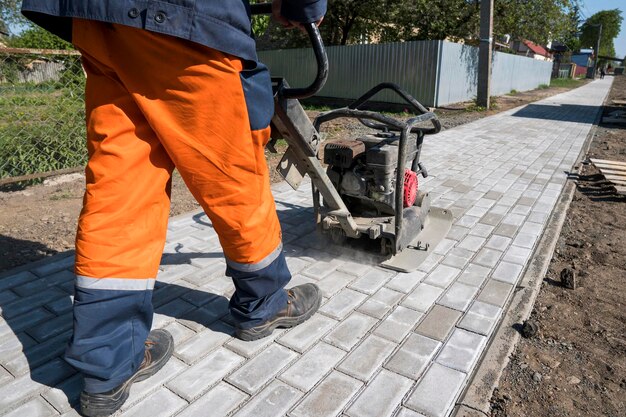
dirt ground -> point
(40, 220)
(576, 364)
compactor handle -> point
(320, 57)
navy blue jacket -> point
(220, 24)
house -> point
(583, 60)
(531, 50)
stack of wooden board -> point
(613, 171)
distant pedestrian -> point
(602, 73)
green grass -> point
(565, 83)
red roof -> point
(539, 50)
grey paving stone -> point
(398, 324)
(164, 294)
(413, 356)
(38, 354)
(462, 350)
(175, 308)
(7, 296)
(334, 282)
(60, 306)
(445, 246)
(296, 265)
(467, 221)
(23, 387)
(17, 279)
(472, 243)
(423, 297)
(458, 296)
(312, 366)
(5, 376)
(205, 273)
(256, 372)
(495, 292)
(442, 276)
(488, 257)
(405, 412)
(458, 258)
(388, 389)
(25, 321)
(354, 267)
(500, 243)
(12, 345)
(66, 394)
(329, 397)
(273, 401)
(31, 287)
(430, 262)
(218, 402)
(350, 331)
(405, 282)
(481, 318)
(372, 281)
(301, 279)
(51, 267)
(198, 346)
(303, 336)
(457, 232)
(194, 381)
(517, 255)
(438, 322)
(25, 304)
(175, 272)
(380, 303)
(162, 403)
(508, 230)
(35, 407)
(343, 303)
(51, 327)
(221, 286)
(491, 219)
(507, 272)
(201, 318)
(141, 390)
(474, 275)
(250, 349)
(321, 269)
(436, 392)
(363, 361)
(525, 240)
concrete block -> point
(343, 303)
(354, 267)
(202, 318)
(198, 346)
(398, 324)
(388, 389)
(430, 262)
(508, 230)
(405, 282)
(51, 327)
(220, 286)
(495, 292)
(321, 269)
(499, 243)
(472, 243)
(25, 321)
(458, 296)
(436, 393)
(363, 361)
(273, 401)
(307, 371)
(66, 394)
(256, 372)
(525, 240)
(25, 304)
(474, 275)
(250, 349)
(488, 257)
(329, 397)
(219, 401)
(162, 403)
(423, 297)
(481, 318)
(141, 390)
(380, 303)
(372, 281)
(438, 322)
(462, 350)
(350, 331)
(38, 354)
(191, 383)
(442, 276)
(303, 336)
(517, 255)
(35, 407)
(413, 356)
(61, 306)
(334, 282)
(508, 272)
(55, 266)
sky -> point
(590, 7)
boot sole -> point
(99, 407)
(249, 335)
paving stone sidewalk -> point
(383, 344)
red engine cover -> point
(410, 187)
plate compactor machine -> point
(369, 189)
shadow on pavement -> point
(559, 112)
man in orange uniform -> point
(170, 83)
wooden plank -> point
(613, 167)
(621, 190)
(613, 172)
(606, 161)
(620, 102)
(618, 182)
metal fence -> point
(42, 115)
(435, 72)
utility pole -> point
(597, 51)
(485, 53)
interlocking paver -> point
(442, 276)
(435, 393)
(405, 282)
(388, 388)
(140, 390)
(343, 303)
(312, 366)
(438, 322)
(350, 331)
(366, 358)
(507, 272)
(219, 401)
(275, 400)
(398, 324)
(329, 397)
(333, 283)
(258, 371)
(162, 403)
(305, 335)
(461, 351)
(36, 407)
(202, 343)
(379, 304)
(423, 297)
(480, 318)
(413, 356)
(495, 292)
(458, 296)
(210, 370)
(372, 281)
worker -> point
(170, 84)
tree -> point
(38, 38)
(10, 15)
(611, 21)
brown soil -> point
(576, 364)
(40, 220)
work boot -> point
(159, 348)
(302, 302)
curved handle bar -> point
(320, 57)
